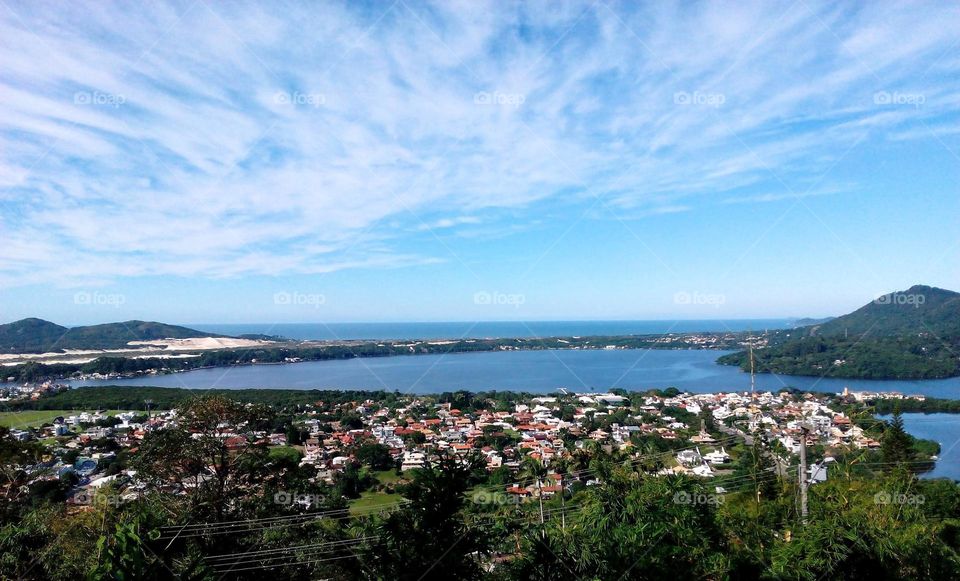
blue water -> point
(943, 429)
(531, 371)
(488, 329)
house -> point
(412, 460)
(312, 448)
(689, 457)
(717, 457)
(703, 470)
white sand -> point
(160, 348)
(200, 343)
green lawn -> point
(387, 476)
(34, 418)
(368, 501)
(29, 418)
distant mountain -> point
(911, 334)
(29, 335)
(39, 336)
(919, 309)
(806, 322)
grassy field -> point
(369, 501)
(387, 476)
(34, 418)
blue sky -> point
(391, 161)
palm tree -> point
(533, 468)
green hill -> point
(911, 334)
(808, 322)
(39, 336)
(919, 309)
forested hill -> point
(911, 334)
(39, 336)
(919, 309)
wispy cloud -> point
(445, 223)
(786, 195)
(196, 139)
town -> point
(692, 434)
(200, 482)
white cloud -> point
(200, 140)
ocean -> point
(487, 329)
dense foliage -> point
(920, 357)
(914, 334)
(39, 336)
(871, 520)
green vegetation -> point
(39, 336)
(134, 397)
(914, 334)
(918, 310)
(286, 454)
(370, 501)
(928, 405)
(34, 418)
(235, 516)
(27, 419)
(285, 352)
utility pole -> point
(563, 506)
(752, 379)
(543, 531)
(803, 473)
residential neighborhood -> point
(698, 435)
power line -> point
(252, 525)
(285, 556)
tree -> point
(121, 555)
(756, 467)
(351, 482)
(376, 456)
(201, 450)
(295, 436)
(630, 527)
(896, 446)
(428, 538)
(534, 469)
(417, 438)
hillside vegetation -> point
(39, 336)
(912, 334)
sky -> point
(204, 162)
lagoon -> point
(943, 429)
(531, 371)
